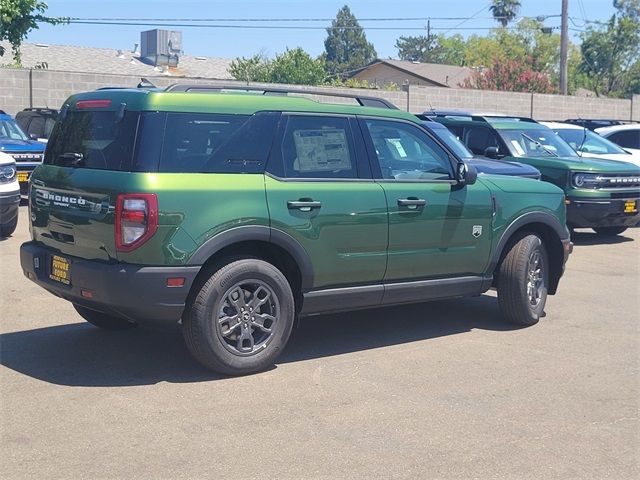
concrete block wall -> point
(47, 88)
(558, 107)
(425, 98)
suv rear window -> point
(90, 139)
(164, 142)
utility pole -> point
(564, 46)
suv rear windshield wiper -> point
(550, 152)
(70, 159)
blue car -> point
(482, 165)
(27, 153)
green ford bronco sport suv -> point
(601, 194)
(236, 213)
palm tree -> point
(505, 10)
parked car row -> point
(601, 193)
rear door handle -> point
(411, 202)
(303, 205)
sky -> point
(244, 42)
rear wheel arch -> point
(260, 242)
(550, 231)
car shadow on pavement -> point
(79, 354)
(592, 238)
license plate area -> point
(23, 176)
(630, 206)
(60, 270)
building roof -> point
(441, 74)
(71, 58)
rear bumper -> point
(600, 213)
(135, 292)
(9, 203)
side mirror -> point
(491, 152)
(33, 136)
(466, 174)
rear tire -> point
(609, 231)
(102, 320)
(7, 229)
(240, 319)
(522, 281)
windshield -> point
(593, 143)
(9, 130)
(536, 142)
(452, 141)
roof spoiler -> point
(364, 101)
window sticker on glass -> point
(518, 147)
(321, 150)
(397, 144)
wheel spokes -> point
(263, 321)
(257, 300)
(245, 341)
(232, 323)
(247, 316)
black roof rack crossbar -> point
(362, 100)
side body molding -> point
(259, 233)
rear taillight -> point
(136, 219)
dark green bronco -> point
(235, 213)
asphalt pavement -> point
(443, 390)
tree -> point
(433, 49)
(505, 10)
(297, 66)
(252, 69)
(346, 45)
(293, 66)
(609, 51)
(417, 49)
(18, 18)
(510, 76)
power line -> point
(269, 27)
(377, 19)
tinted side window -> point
(478, 139)
(406, 152)
(626, 138)
(317, 147)
(217, 143)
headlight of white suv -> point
(7, 173)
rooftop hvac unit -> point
(160, 47)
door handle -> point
(411, 202)
(303, 205)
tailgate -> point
(72, 210)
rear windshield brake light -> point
(93, 104)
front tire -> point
(522, 281)
(7, 229)
(241, 318)
(102, 320)
(609, 231)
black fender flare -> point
(260, 233)
(523, 220)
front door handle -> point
(411, 202)
(303, 205)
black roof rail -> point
(362, 100)
(476, 116)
